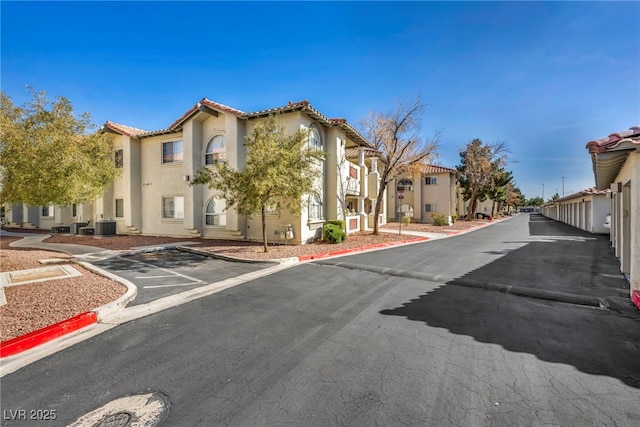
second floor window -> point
(172, 152)
(405, 185)
(119, 158)
(215, 150)
(315, 142)
(431, 180)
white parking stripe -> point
(154, 277)
(172, 273)
(169, 286)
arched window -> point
(315, 141)
(405, 184)
(315, 207)
(215, 150)
(215, 213)
(406, 209)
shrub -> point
(339, 222)
(439, 219)
(454, 217)
(332, 233)
(406, 220)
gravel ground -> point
(34, 306)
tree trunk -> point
(376, 212)
(472, 208)
(263, 212)
(493, 208)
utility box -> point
(105, 228)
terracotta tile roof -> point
(208, 103)
(352, 152)
(122, 129)
(586, 192)
(427, 169)
(614, 140)
(304, 106)
(609, 154)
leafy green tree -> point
(48, 155)
(535, 201)
(281, 168)
(499, 187)
(396, 136)
(479, 164)
(555, 197)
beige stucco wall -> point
(626, 218)
(441, 194)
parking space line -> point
(168, 286)
(172, 273)
(155, 277)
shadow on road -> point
(594, 341)
(540, 225)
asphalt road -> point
(324, 345)
(157, 274)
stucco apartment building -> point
(616, 167)
(153, 195)
(428, 191)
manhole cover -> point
(140, 410)
(121, 419)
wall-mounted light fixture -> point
(186, 178)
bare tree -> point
(396, 136)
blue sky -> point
(547, 77)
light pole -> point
(542, 193)
(563, 186)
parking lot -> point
(166, 272)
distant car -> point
(607, 222)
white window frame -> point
(47, 211)
(218, 216)
(315, 208)
(315, 139)
(177, 213)
(176, 156)
(215, 153)
(431, 180)
(431, 207)
(403, 186)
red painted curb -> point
(360, 249)
(41, 336)
(635, 297)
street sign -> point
(400, 195)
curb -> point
(46, 334)
(635, 298)
(323, 255)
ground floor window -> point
(47, 211)
(173, 207)
(431, 207)
(119, 208)
(315, 208)
(215, 213)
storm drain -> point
(140, 410)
